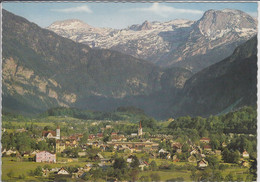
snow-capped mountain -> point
(148, 41)
(190, 44)
(212, 38)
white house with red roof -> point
(245, 154)
(202, 163)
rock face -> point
(42, 70)
(222, 87)
(145, 26)
(181, 43)
(213, 38)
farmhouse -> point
(192, 158)
(202, 163)
(245, 154)
(130, 159)
(218, 152)
(176, 146)
(194, 151)
(9, 152)
(63, 171)
(143, 164)
(205, 140)
(207, 147)
(108, 126)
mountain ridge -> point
(228, 84)
(193, 45)
(43, 69)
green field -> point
(23, 168)
(168, 175)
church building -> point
(52, 134)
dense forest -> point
(241, 121)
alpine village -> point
(77, 108)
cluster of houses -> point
(118, 141)
(121, 143)
(80, 172)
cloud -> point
(78, 9)
(165, 11)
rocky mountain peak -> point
(145, 26)
(233, 11)
(222, 21)
(181, 43)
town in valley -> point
(66, 148)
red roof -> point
(203, 162)
(100, 134)
(207, 147)
(76, 136)
(91, 136)
(245, 152)
(73, 137)
(146, 163)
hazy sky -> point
(117, 15)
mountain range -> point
(193, 45)
(42, 70)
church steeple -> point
(140, 129)
(58, 133)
